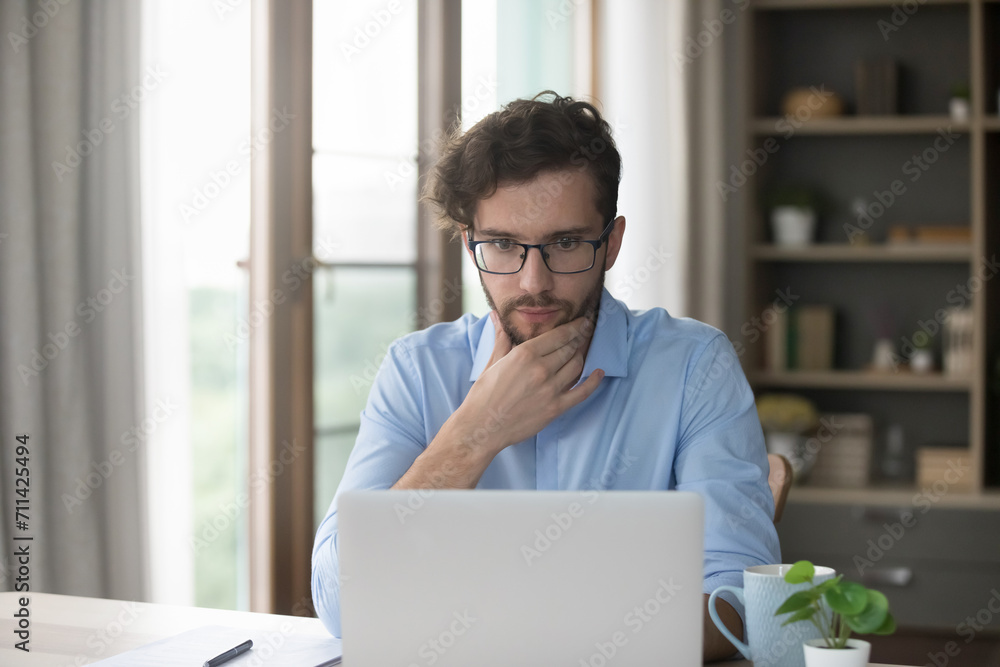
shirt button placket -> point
(547, 456)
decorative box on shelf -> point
(845, 451)
(930, 235)
(947, 467)
(957, 348)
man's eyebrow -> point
(570, 231)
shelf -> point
(843, 4)
(844, 252)
(861, 380)
(903, 497)
(892, 286)
(848, 125)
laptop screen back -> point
(521, 578)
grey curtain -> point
(706, 60)
(717, 87)
(642, 88)
(70, 288)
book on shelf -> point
(876, 85)
(801, 338)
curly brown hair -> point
(514, 145)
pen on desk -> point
(230, 654)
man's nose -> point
(535, 275)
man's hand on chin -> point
(521, 391)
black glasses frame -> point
(527, 246)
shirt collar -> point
(608, 348)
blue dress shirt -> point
(674, 411)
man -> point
(561, 387)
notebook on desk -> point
(272, 648)
(459, 578)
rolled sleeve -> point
(721, 456)
(390, 438)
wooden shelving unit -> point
(845, 252)
(863, 381)
(895, 497)
(944, 42)
(943, 172)
(843, 4)
(852, 125)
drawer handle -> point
(889, 576)
(882, 515)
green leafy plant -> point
(922, 342)
(789, 413)
(849, 606)
(797, 195)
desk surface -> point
(70, 631)
(73, 631)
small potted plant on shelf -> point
(959, 105)
(794, 210)
(922, 354)
(836, 607)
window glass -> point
(364, 208)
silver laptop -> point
(484, 578)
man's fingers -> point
(501, 341)
(581, 393)
(567, 375)
(557, 338)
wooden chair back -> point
(779, 478)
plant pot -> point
(922, 361)
(855, 654)
(958, 109)
(793, 225)
(884, 356)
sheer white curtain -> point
(69, 292)
(665, 109)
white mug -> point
(764, 590)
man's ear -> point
(466, 233)
(614, 242)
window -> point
(516, 49)
(196, 201)
(365, 211)
(196, 205)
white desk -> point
(68, 631)
(73, 631)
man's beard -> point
(589, 309)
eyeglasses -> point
(564, 256)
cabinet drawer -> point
(927, 594)
(959, 536)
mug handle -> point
(738, 592)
